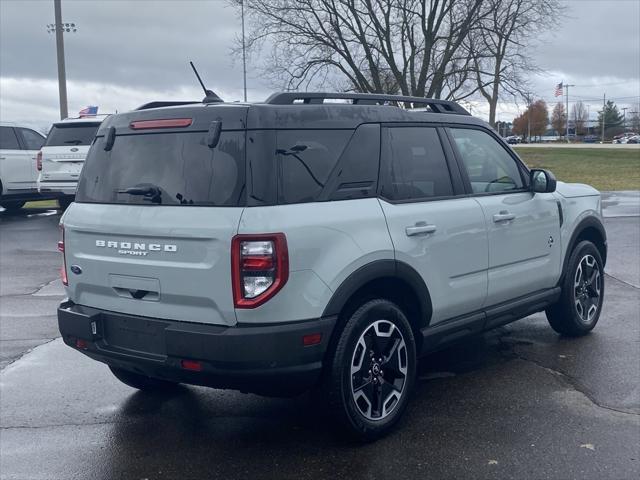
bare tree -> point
(499, 47)
(579, 114)
(413, 47)
(559, 119)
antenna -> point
(209, 96)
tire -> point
(578, 310)
(12, 206)
(142, 382)
(378, 326)
(64, 202)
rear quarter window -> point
(305, 159)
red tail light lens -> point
(63, 269)
(259, 268)
(39, 161)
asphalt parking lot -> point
(518, 402)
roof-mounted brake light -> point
(161, 123)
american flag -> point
(89, 111)
(558, 91)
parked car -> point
(590, 139)
(19, 145)
(623, 137)
(294, 244)
(512, 140)
(633, 139)
(62, 156)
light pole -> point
(244, 54)
(59, 28)
(624, 118)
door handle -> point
(503, 216)
(420, 228)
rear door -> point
(165, 254)
(434, 230)
(65, 151)
(15, 163)
(523, 227)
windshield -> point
(165, 168)
(71, 134)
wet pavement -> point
(518, 402)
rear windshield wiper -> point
(149, 192)
(75, 142)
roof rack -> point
(435, 105)
(161, 103)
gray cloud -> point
(128, 52)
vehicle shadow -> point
(27, 212)
(202, 433)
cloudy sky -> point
(128, 52)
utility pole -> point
(244, 54)
(59, 29)
(62, 76)
(604, 106)
(624, 118)
(529, 116)
(588, 118)
(567, 100)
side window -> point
(305, 159)
(8, 139)
(489, 166)
(415, 167)
(32, 139)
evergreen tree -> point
(612, 120)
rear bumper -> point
(270, 360)
(64, 188)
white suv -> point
(19, 146)
(62, 156)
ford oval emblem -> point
(74, 149)
(76, 269)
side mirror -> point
(542, 181)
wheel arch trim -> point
(583, 225)
(378, 270)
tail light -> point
(63, 269)
(259, 268)
(39, 161)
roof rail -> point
(161, 103)
(435, 105)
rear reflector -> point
(63, 269)
(82, 344)
(312, 339)
(161, 123)
(192, 365)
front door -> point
(438, 233)
(523, 227)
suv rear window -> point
(68, 134)
(175, 168)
